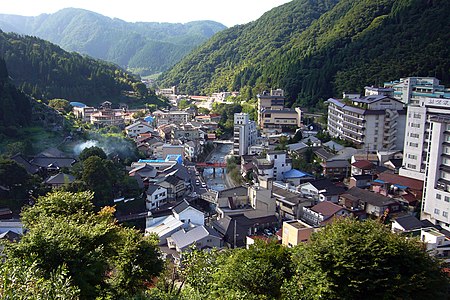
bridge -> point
(211, 164)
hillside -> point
(145, 47)
(316, 49)
(15, 106)
(45, 71)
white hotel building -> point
(374, 122)
(436, 195)
(425, 98)
(244, 135)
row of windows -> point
(414, 125)
(415, 145)
(412, 156)
(437, 212)
(414, 135)
(446, 198)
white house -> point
(156, 196)
(138, 128)
(167, 222)
(200, 236)
(274, 165)
(321, 190)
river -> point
(217, 182)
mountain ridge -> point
(331, 47)
(124, 43)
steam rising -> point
(112, 145)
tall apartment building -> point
(436, 195)
(273, 117)
(374, 122)
(411, 89)
(425, 98)
(245, 133)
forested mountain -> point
(45, 71)
(316, 49)
(145, 47)
(15, 108)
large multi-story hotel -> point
(436, 194)
(425, 98)
(273, 117)
(374, 122)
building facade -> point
(245, 134)
(436, 194)
(373, 122)
(421, 108)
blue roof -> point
(293, 173)
(170, 157)
(77, 104)
(149, 119)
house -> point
(362, 167)
(12, 225)
(333, 146)
(59, 180)
(394, 164)
(323, 213)
(296, 232)
(289, 203)
(312, 141)
(335, 168)
(297, 177)
(233, 197)
(361, 181)
(371, 203)
(405, 224)
(24, 162)
(236, 227)
(164, 223)
(273, 165)
(174, 185)
(321, 190)
(185, 212)
(137, 129)
(405, 189)
(52, 160)
(156, 196)
(201, 237)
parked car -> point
(197, 182)
(203, 185)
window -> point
(438, 196)
(445, 214)
(436, 211)
(412, 156)
(416, 116)
(415, 125)
(411, 166)
(447, 199)
(415, 145)
(414, 135)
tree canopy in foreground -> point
(71, 247)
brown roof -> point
(414, 184)
(326, 208)
(363, 164)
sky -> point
(227, 12)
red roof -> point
(327, 208)
(363, 164)
(410, 198)
(413, 184)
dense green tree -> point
(22, 280)
(12, 174)
(364, 260)
(102, 258)
(99, 176)
(92, 151)
(61, 105)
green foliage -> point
(255, 273)
(101, 257)
(364, 260)
(15, 106)
(61, 105)
(297, 137)
(99, 176)
(145, 47)
(317, 49)
(227, 112)
(22, 280)
(92, 151)
(45, 71)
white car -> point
(197, 182)
(203, 185)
